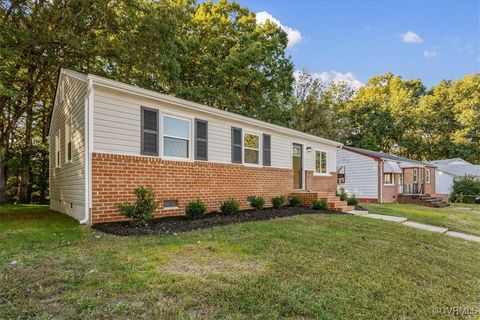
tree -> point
(230, 62)
(131, 41)
(315, 106)
(381, 116)
(450, 121)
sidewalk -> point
(417, 225)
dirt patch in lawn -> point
(205, 261)
(181, 223)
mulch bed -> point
(181, 223)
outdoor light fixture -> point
(309, 149)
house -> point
(107, 138)
(448, 170)
(380, 177)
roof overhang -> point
(391, 167)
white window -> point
(251, 146)
(320, 162)
(176, 137)
(388, 179)
(427, 175)
(415, 175)
(57, 151)
(68, 142)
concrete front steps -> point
(424, 200)
(334, 203)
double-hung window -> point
(320, 162)
(388, 179)
(427, 175)
(176, 137)
(251, 146)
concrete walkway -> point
(417, 225)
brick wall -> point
(320, 183)
(116, 176)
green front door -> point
(297, 166)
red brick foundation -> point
(368, 200)
(116, 176)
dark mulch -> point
(182, 224)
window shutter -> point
(236, 145)
(201, 140)
(149, 132)
(267, 150)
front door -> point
(297, 166)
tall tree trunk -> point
(44, 155)
(24, 186)
(3, 171)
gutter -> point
(88, 152)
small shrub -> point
(230, 206)
(141, 211)
(465, 189)
(195, 209)
(256, 202)
(320, 204)
(295, 201)
(352, 201)
(342, 194)
(278, 201)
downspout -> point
(381, 179)
(88, 151)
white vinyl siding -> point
(117, 127)
(443, 182)
(361, 174)
(67, 182)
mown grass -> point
(454, 218)
(308, 267)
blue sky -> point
(355, 40)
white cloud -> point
(411, 37)
(430, 53)
(334, 76)
(294, 36)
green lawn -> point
(454, 218)
(307, 267)
(473, 206)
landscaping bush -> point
(230, 206)
(320, 204)
(342, 194)
(256, 202)
(465, 189)
(295, 201)
(278, 201)
(195, 209)
(141, 212)
(352, 201)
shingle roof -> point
(386, 156)
(460, 170)
(449, 161)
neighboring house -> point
(380, 177)
(107, 138)
(448, 170)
